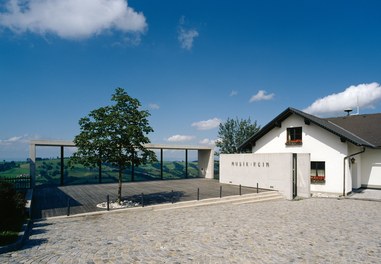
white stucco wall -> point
(371, 168)
(270, 171)
(322, 146)
(354, 169)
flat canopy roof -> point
(58, 143)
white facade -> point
(269, 171)
(370, 168)
(323, 146)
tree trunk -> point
(120, 184)
(100, 171)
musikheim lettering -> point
(258, 164)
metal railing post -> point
(68, 206)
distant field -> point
(23, 168)
(48, 172)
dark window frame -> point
(294, 136)
(317, 167)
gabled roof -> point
(367, 126)
(334, 125)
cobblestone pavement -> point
(315, 230)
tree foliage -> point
(11, 206)
(115, 134)
(233, 133)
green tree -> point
(12, 208)
(115, 134)
(233, 133)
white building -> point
(345, 152)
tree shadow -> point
(50, 198)
(155, 198)
(38, 224)
(34, 243)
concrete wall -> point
(270, 171)
(303, 175)
(206, 163)
(322, 146)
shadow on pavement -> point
(52, 199)
(155, 198)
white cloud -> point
(186, 36)
(180, 138)
(71, 19)
(362, 95)
(207, 141)
(154, 106)
(261, 96)
(14, 140)
(233, 93)
(130, 40)
(207, 124)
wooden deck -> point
(53, 201)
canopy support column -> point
(62, 165)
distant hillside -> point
(48, 172)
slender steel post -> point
(257, 187)
(198, 194)
(220, 191)
(68, 206)
(62, 165)
(32, 164)
(186, 163)
(108, 202)
(161, 164)
(240, 190)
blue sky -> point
(192, 64)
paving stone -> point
(314, 230)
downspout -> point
(345, 158)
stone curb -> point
(363, 199)
(349, 198)
(170, 206)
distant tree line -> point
(8, 165)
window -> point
(294, 136)
(317, 172)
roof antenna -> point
(358, 106)
(348, 111)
